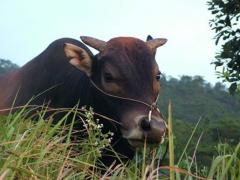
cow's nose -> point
(154, 129)
(145, 124)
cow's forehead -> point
(127, 49)
(129, 42)
(128, 55)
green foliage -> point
(226, 26)
(6, 65)
(227, 164)
(193, 98)
(42, 150)
(45, 151)
(208, 134)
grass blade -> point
(171, 145)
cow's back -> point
(8, 87)
(48, 78)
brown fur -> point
(126, 68)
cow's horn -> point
(155, 43)
(94, 43)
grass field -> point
(42, 150)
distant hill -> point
(7, 65)
(193, 97)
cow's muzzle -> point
(150, 131)
(146, 128)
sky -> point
(27, 27)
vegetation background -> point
(205, 117)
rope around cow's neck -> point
(152, 106)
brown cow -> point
(120, 82)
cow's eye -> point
(158, 76)
(108, 77)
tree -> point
(226, 25)
(6, 65)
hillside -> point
(193, 97)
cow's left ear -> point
(78, 57)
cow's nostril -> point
(145, 124)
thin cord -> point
(151, 106)
(119, 97)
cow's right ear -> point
(78, 57)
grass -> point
(42, 150)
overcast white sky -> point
(27, 27)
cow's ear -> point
(78, 57)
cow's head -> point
(126, 74)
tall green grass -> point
(40, 149)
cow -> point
(120, 82)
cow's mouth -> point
(141, 142)
(136, 142)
